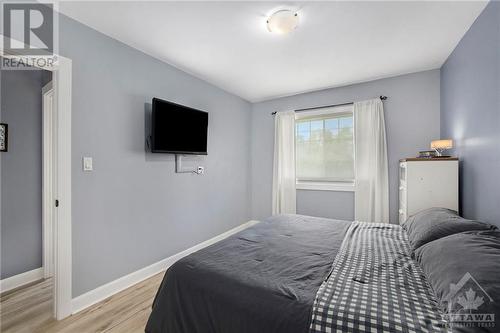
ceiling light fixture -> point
(283, 21)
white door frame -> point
(48, 180)
(61, 79)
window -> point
(324, 142)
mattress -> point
(299, 274)
(263, 279)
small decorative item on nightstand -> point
(441, 145)
(4, 137)
(427, 154)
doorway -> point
(22, 165)
(26, 173)
(60, 198)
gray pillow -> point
(435, 223)
(464, 272)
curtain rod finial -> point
(382, 97)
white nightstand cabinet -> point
(426, 183)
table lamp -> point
(441, 145)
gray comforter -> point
(263, 279)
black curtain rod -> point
(383, 98)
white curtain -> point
(284, 197)
(371, 203)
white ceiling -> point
(337, 43)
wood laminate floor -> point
(29, 310)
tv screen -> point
(178, 129)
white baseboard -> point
(20, 280)
(109, 289)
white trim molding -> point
(61, 79)
(48, 180)
(109, 289)
(326, 186)
(20, 280)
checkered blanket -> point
(375, 286)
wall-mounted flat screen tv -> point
(178, 129)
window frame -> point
(348, 185)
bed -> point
(295, 273)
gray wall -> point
(470, 114)
(331, 204)
(21, 173)
(133, 210)
(412, 121)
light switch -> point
(87, 164)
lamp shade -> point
(442, 144)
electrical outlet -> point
(201, 170)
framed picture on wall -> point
(4, 136)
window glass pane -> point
(302, 131)
(325, 148)
(316, 125)
(331, 123)
(316, 130)
(302, 127)
(345, 122)
(331, 128)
